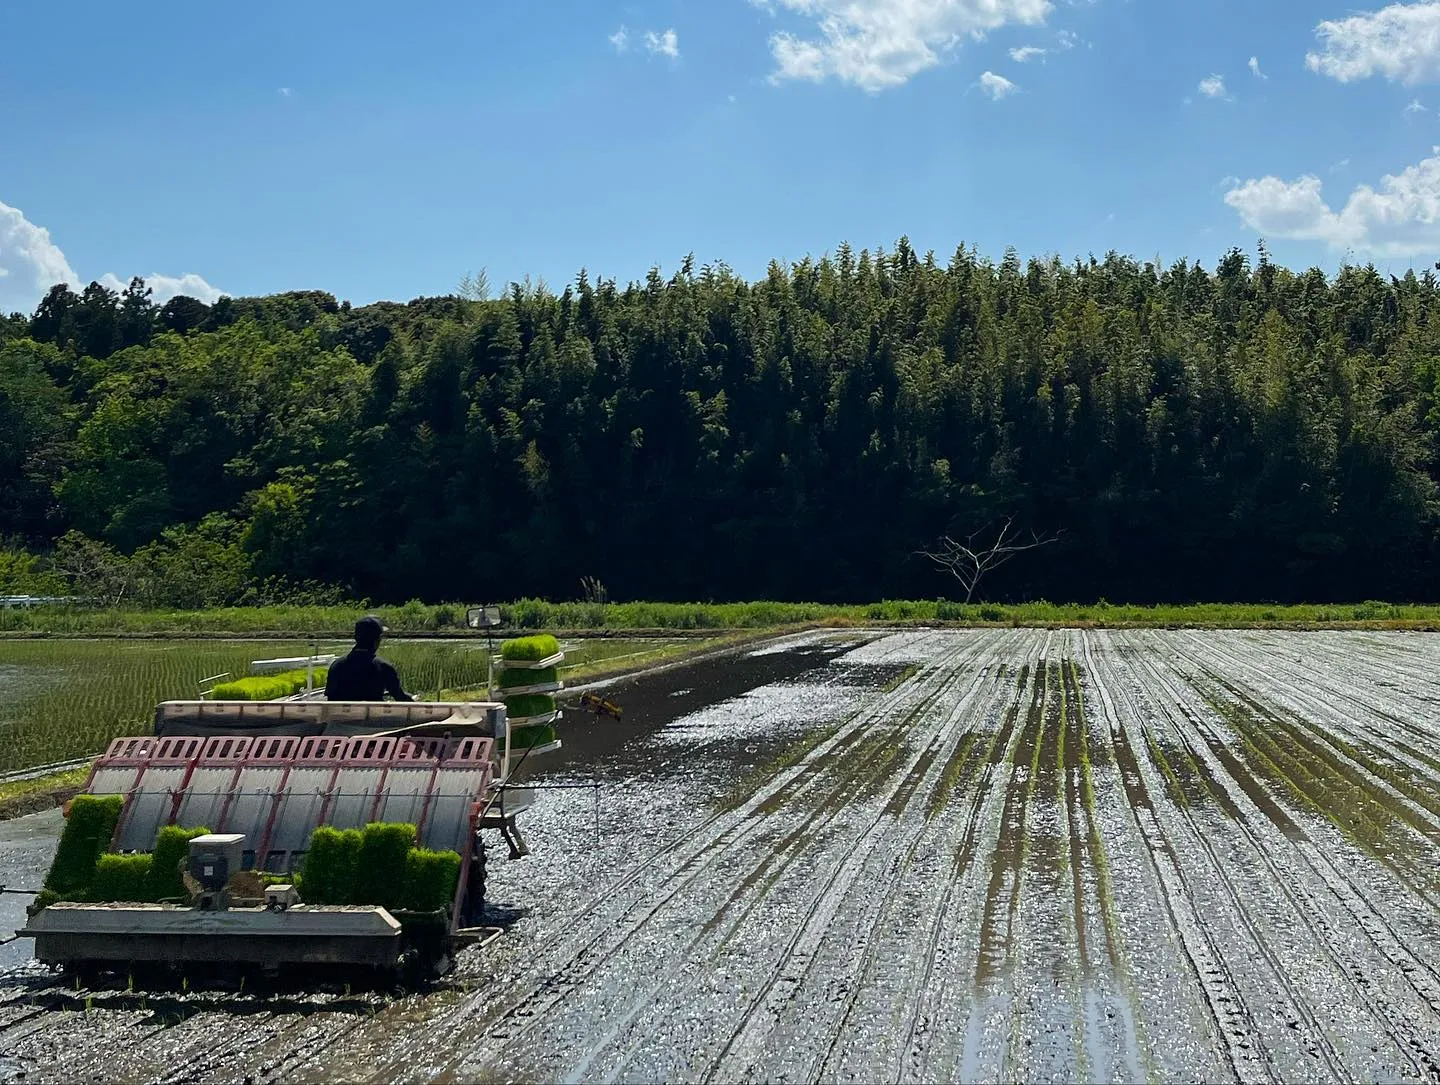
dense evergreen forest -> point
(1246, 433)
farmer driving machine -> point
(297, 831)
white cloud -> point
(1255, 69)
(620, 39)
(284, 92)
(1400, 219)
(1029, 52)
(1400, 42)
(1213, 86)
(165, 287)
(997, 86)
(31, 263)
(664, 44)
(1068, 39)
(877, 44)
(1415, 107)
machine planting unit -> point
(260, 777)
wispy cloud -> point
(1028, 53)
(1415, 107)
(620, 39)
(1400, 42)
(879, 44)
(997, 86)
(665, 43)
(1255, 69)
(1213, 86)
(165, 287)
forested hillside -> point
(1247, 432)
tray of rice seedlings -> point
(527, 681)
(536, 739)
(536, 653)
(267, 687)
(530, 708)
(517, 683)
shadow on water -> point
(503, 916)
(651, 702)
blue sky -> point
(378, 151)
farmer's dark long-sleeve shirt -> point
(363, 676)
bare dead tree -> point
(969, 561)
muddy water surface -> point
(978, 855)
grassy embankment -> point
(20, 797)
(447, 619)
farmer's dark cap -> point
(369, 628)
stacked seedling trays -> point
(527, 680)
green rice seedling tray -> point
(529, 649)
(85, 837)
(172, 848)
(517, 722)
(539, 687)
(381, 866)
(509, 679)
(122, 879)
(534, 665)
(430, 879)
(535, 739)
(528, 704)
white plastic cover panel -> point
(277, 789)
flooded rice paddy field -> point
(977, 855)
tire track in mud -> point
(988, 1033)
(853, 744)
(1038, 1005)
(1006, 873)
(1370, 842)
(867, 926)
(1324, 763)
(1384, 941)
(1203, 778)
(175, 1041)
(1235, 1028)
(930, 1014)
(1088, 854)
(919, 1029)
(1305, 907)
(810, 835)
